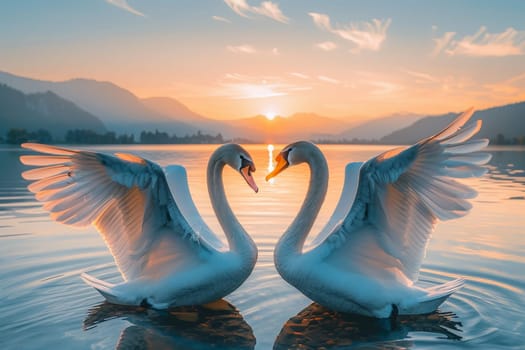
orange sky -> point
(239, 58)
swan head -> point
(240, 160)
(293, 154)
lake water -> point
(44, 304)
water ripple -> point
(45, 303)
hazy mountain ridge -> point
(118, 108)
(43, 111)
(378, 128)
(177, 110)
(507, 120)
(121, 111)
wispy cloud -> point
(299, 75)
(123, 4)
(246, 49)
(513, 86)
(442, 42)
(266, 8)
(516, 78)
(448, 82)
(322, 21)
(510, 42)
(272, 10)
(328, 79)
(421, 77)
(239, 86)
(364, 35)
(326, 46)
(384, 87)
(240, 7)
(221, 19)
(377, 83)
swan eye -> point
(286, 153)
(246, 163)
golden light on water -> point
(271, 166)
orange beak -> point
(282, 164)
(246, 173)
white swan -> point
(368, 256)
(163, 260)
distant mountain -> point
(175, 109)
(171, 107)
(378, 128)
(121, 111)
(286, 129)
(118, 108)
(43, 111)
(508, 120)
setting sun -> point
(270, 115)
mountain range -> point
(122, 111)
(100, 106)
(43, 110)
(508, 121)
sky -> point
(238, 58)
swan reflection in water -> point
(317, 327)
(218, 325)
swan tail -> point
(434, 297)
(103, 287)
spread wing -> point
(124, 196)
(403, 192)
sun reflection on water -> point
(271, 166)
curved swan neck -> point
(292, 241)
(238, 240)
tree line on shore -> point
(17, 136)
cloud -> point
(247, 49)
(364, 35)
(266, 8)
(510, 42)
(421, 78)
(328, 79)
(383, 87)
(123, 4)
(516, 78)
(250, 50)
(300, 75)
(239, 7)
(238, 86)
(326, 46)
(221, 19)
(272, 10)
(442, 42)
(321, 21)
(511, 86)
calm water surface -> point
(44, 304)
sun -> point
(270, 115)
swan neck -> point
(292, 241)
(238, 239)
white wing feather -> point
(403, 192)
(344, 205)
(178, 182)
(125, 197)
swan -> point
(165, 252)
(366, 259)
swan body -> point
(366, 259)
(165, 252)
